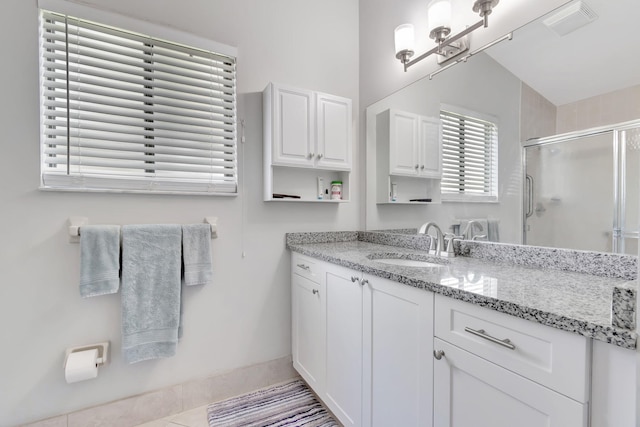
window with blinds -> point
(127, 112)
(469, 158)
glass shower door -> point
(570, 193)
(582, 190)
(627, 187)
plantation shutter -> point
(469, 155)
(127, 112)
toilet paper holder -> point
(103, 352)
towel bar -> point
(76, 222)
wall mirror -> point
(550, 80)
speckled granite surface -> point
(595, 263)
(567, 300)
(623, 306)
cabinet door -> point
(343, 384)
(470, 392)
(403, 143)
(430, 143)
(293, 127)
(308, 330)
(334, 116)
(398, 347)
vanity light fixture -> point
(439, 21)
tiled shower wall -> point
(613, 107)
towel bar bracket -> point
(75, 222)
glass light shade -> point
(404, 37)
(439, 14)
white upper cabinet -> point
(414, 143)
(308, 129)
(429, 147)
(333, 132)
(293, 121)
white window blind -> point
(127, 112)
(469, 158)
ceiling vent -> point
(570, 18)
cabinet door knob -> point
(354, 278)
(422, 167)
(319, 156)
(315, 292)
(438, 354)
(417, 166)
(364, 282)
(311, 155)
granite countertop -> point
(568, 300)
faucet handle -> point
(450, 250)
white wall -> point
(244, 317)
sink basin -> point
(408, 259)
(407, 262)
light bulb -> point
(404, 39)
(439, 14)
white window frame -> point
(490, 196)
(160, 185)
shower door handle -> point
(529, 179)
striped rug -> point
(291, 404)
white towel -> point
(196, 254)
(99, 260)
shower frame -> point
(618, 233)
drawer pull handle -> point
(315, 292)
(482, 334)
(364, 282)
(304, 267)
(354, 279)
(438, 354)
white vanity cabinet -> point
(343, 345)
(308, 319)
(374, 341)
(307, 130)
(398, 347)
(494, 369)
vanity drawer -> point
(306, 267)
(556, 359)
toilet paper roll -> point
(81, 365)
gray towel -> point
(99, 260)
(150, 291)
(196, 254)
(492, 230)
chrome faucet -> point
(468, 230)
(436, 246)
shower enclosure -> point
(581, 189)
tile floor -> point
(196, 417)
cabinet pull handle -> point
(438, 354)
(417, 166)
(422, 167)
(364, 282)
(311, 155)
(482, 334)
(354, 278)
(315, 292)
(304, 267)
(319, 156)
